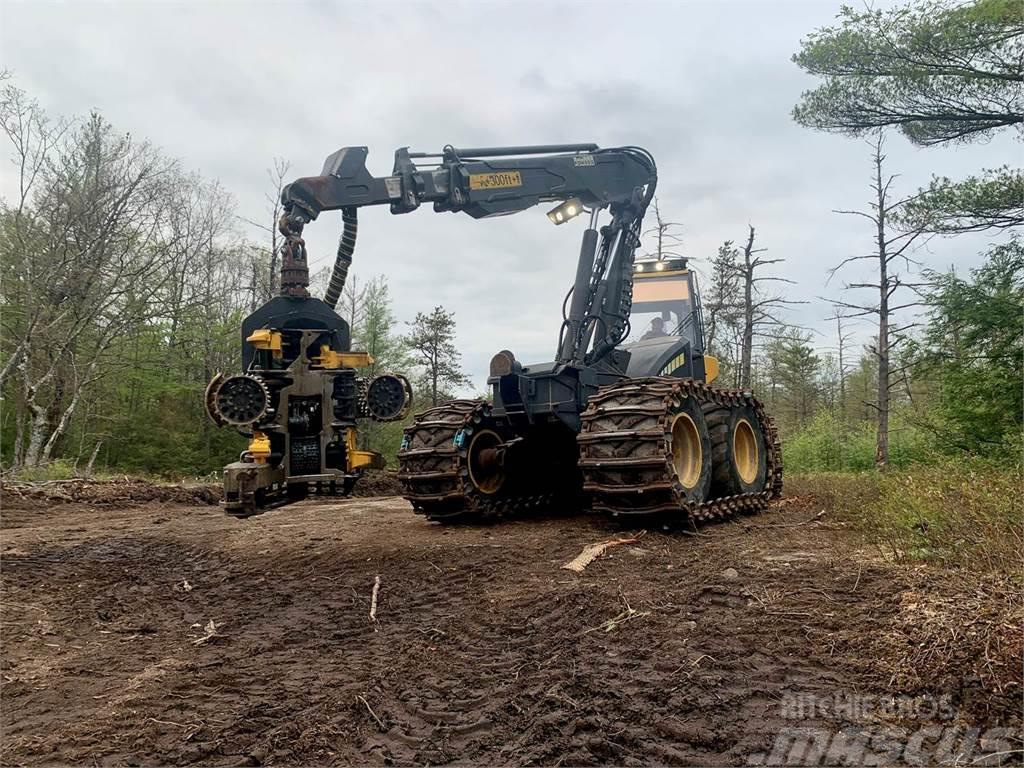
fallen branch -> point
(615, 622)
(373, 604)
(211, 632)
(368, 707)
(591, 552)
(814, 519)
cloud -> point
(706, 86)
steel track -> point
(625, 457)
(434, 470)
(626, 451)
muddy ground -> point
(157, 630)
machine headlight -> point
(565, 211)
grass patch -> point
(964, 513)
(829, 444)
(61, 470)
(43, 473)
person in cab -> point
(657, 330)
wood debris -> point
(591, 552)
(211, 632)
(373, 601)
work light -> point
(567, 210)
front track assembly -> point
(633, 465)
(656, 448)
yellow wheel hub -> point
(485, 469)
(687, 453)
(745, 451)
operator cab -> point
(667, 334)
(663, 303)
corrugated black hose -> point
(343, 259)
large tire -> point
(739, 450)
(431, 465)
(446, 477)
(691, 451)
(633, 465)
(644, 448)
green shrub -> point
(54, 470)
(828, 444)
(964, 512)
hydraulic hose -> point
(343, 259)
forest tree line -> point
(944, 372)
(125, 277)
(125, 281)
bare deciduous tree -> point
(93, 272)
(353, 302)
(842, 361)
(887, 249)
(666, 240)
(33, 137)
(757, 306)
(265, 264)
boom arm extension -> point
(495, 181)
(480, 182)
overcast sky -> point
(707, 87)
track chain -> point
(626, 458)
(434, 470)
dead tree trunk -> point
(757, 304)
(278, 175)
(91, 466)
(747, 348)
(887, 248)
(882, 438)
(842, 364)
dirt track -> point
(486, 651)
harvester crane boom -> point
(482, 182)
(494, 181)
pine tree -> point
(432, 345)
(376, 335)
(798, 371)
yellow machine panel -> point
(328, 358)
(495, 180)
(661, 288)
(266, 339)
(710, 368)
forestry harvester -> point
(301, 396)
(630, 423)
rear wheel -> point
(460, 464)
(486, 468)
(432, 459)
(690, 450)
(738, 447)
